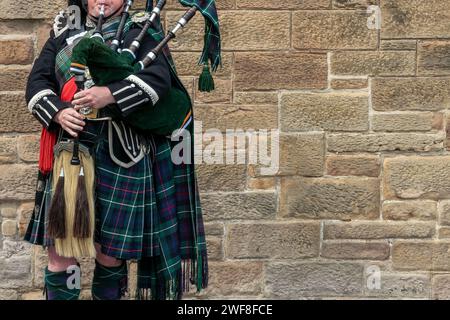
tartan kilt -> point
(150, 209)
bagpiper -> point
(110, 102)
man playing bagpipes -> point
(108, 98)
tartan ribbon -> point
(212, 46)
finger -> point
(81, 101)
(76, 121)
(74, 127)
(80, 94)
(75, 114)
(72, 133)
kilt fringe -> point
(192, 272)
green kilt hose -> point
(149, 212)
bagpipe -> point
(106, 64)
(71, 215)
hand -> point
(95, 97)
(70, 120)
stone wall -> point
(360, 205)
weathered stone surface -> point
(444, 212)
(447, 133)
(237, 277)
(187, 64)
(17, 27)
(444, 233)
(40, 258)
(415, 19)
(353, 165)
(409, 210)
(398, 45)
(15, 272)
(22, 9)
(214, 228)
(33, 295)
(13, 78)
(405, 121)
(287, 4)
(433, 58)
(87, 272)
(401, 285)
(222, 92)
(215, 248)
(9, 211)
(16, 248)
(255, 97)
(261, 183)
(421, 94)
(43, 33)
(355, 250)
(373, 63)
(6, 294)
(248, 205)
(24, 213)
(376, 142)
(9, 228)
(223, 117)
(310, 71)
(324, 111)
(378, 230)
(441, 286)
(302, 154)
(21, 121)
(273, 240)
(17, 181)
(16, 49)
(242, 32)
(297, 280)
(330, 198)
(311, 30)
(221, 177)
(338, 84)
(353, 4)
(8, 150)
(424, 255)
(417, 177)
(28, 147)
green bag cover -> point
(107, 66)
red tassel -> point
(48, 138)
